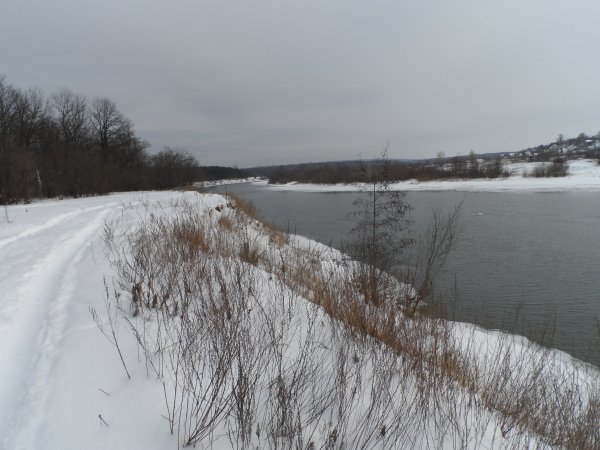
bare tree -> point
(381, 231)
(438, 242)
(173, 167)
(473, 165)
(72, 114)
(7, 100)
(129, 149)
(383, 242)
(29, 114)
(106, 123)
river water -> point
(525, 262)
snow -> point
(62, 384)
(583, 175)
(225, 182)
(52, 358)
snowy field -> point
(583, 175)
(62, 383)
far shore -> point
(583, 176)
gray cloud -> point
(260, 82)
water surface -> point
(526, 262)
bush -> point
(557, 168)
(249, 254)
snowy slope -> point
(62, 383)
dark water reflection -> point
(526, 262)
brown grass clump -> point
(191, 237)
(247, 210)
(249, 254)
(225, 222)
(244, 206)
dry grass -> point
(247, 209)
(230, 360)
(225, 222)
(523, 384)
(249, 253)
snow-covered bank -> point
(583, 175)
(63, 386)
(209, 184)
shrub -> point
(225, 222)
(249, 254)
(557, 168)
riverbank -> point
(199, 300)
(225, 182)
(583, 175)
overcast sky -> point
(254, 82)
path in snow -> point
(40, 249)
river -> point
(525, 262)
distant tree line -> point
(358, 171)
(67, 145)
(553, 158)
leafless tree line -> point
(68, 145)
